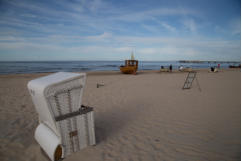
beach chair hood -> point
(56, 94)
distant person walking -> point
(170, 68)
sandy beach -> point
(143, 117)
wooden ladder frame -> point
(190, 77)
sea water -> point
(13, 67)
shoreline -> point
(76, 66)
(110, 72)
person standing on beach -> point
(170, 68)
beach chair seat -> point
(164, 70)
(186, 69)
(213, 70)
(57, 99)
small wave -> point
(109, 66)
(84, 68)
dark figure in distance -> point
(212, 69)
(170, 68)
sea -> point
(20, 67)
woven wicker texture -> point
(65, 98)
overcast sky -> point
(110, 30)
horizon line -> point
(232, 61)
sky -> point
(162, 30)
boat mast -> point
(132, 55)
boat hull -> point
(128, 69)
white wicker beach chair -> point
(64, 124)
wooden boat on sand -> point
(130, 67)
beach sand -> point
(143, 117)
